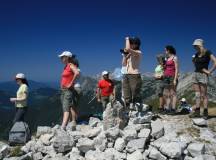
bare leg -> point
(167, 98)
(65, 119)
(174, 98)
(161, 102)
(196, 89)
(203, 89)
(73, 114)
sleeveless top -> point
(170, 68)
(67, 76)
(202, 62)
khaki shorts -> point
(68, 99)
(160, 87)
(200, 78)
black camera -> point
(123, 52)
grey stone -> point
(157, 129)
(114, 116)
(85, 144)
(129, 134)
(76, 135)
(171, 149)
(136, 144)
(43, 130)
(120, 144)
(97, 155)
(199, 122)
(137, 155)
(144, 133)
(117, 155)
(196, 149)
(45, 138)
(4, 150)
(63, 143)
(155, 154)
(93, 122)
(37, 156)
(100, 142)
(112, 133)
(204, 157)
(93, 132)
(141, 119)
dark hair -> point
(136, 41)
(24, 81)
(74, 61)
(171, 49)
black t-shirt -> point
(202, 62)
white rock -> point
(199, 122)
(97, 155)
(63, 143)
(136, 144)
(117, 155)
(137, 155)
(144, 133)
(93, 132)
(85, 144)
(93, 122)
(120, 144)
(171, 149)
(157, 129)
(204, 157)
(37, 156)
(43, 130)
(45, 138)
(129, 134)
(155, 154)
(4, 150)
(196, 149)
(112, 133)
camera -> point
(123, 52)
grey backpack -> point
(19, 134)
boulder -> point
(37, 156)
(93, 132)
(45, 139)
(199, 122)
(43, 130)
(85, 144)
(172, 150)
(144, 133)
(157, 129)
(137, 155)
(196, 149)
(129, 134)
(120, 144)
(93, 122)
(155, 154)
(136, 144)
(4, 150)
(97, 155)
(117, 155)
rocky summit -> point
(145, 136)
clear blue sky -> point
(34, 32)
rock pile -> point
(142, 139)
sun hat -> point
(105, 73)
(198, 42)
(66, 53)
(183, 100)
(20, 76)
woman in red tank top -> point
(170, 79)
(69, 75)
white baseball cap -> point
(20, 76)
(105, 73)
(183, 100)
(77, 85)
(198, 42)
(66, 53)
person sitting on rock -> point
(105, 90)
(184, 107)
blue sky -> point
(34, 32)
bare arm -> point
(76, 74)
(176, 70)
(213, 58)
(98, 93)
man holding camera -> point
(132, 81)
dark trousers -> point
(131, 85)
(20, 114)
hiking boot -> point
(205, 114)
(73, 128)
(195, 114)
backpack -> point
(19, 133)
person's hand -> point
(175, 82)
(208, 73)
(99, 100)
(126, 38)
(13, 99)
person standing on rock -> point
(201, 62)
(69, 76)
(171, 71)
(21, 98)
(105, 90)
(159, 75)
(132, 81)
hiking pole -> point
(91, 99)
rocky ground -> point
(147, 136)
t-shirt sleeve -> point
(25, 89)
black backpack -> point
(19, 134)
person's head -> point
(135, 43)
(105, 75)
(66, 56)
(170, 50)
(198, 45)
(161, 59)
(21, 79)
(74, 61)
